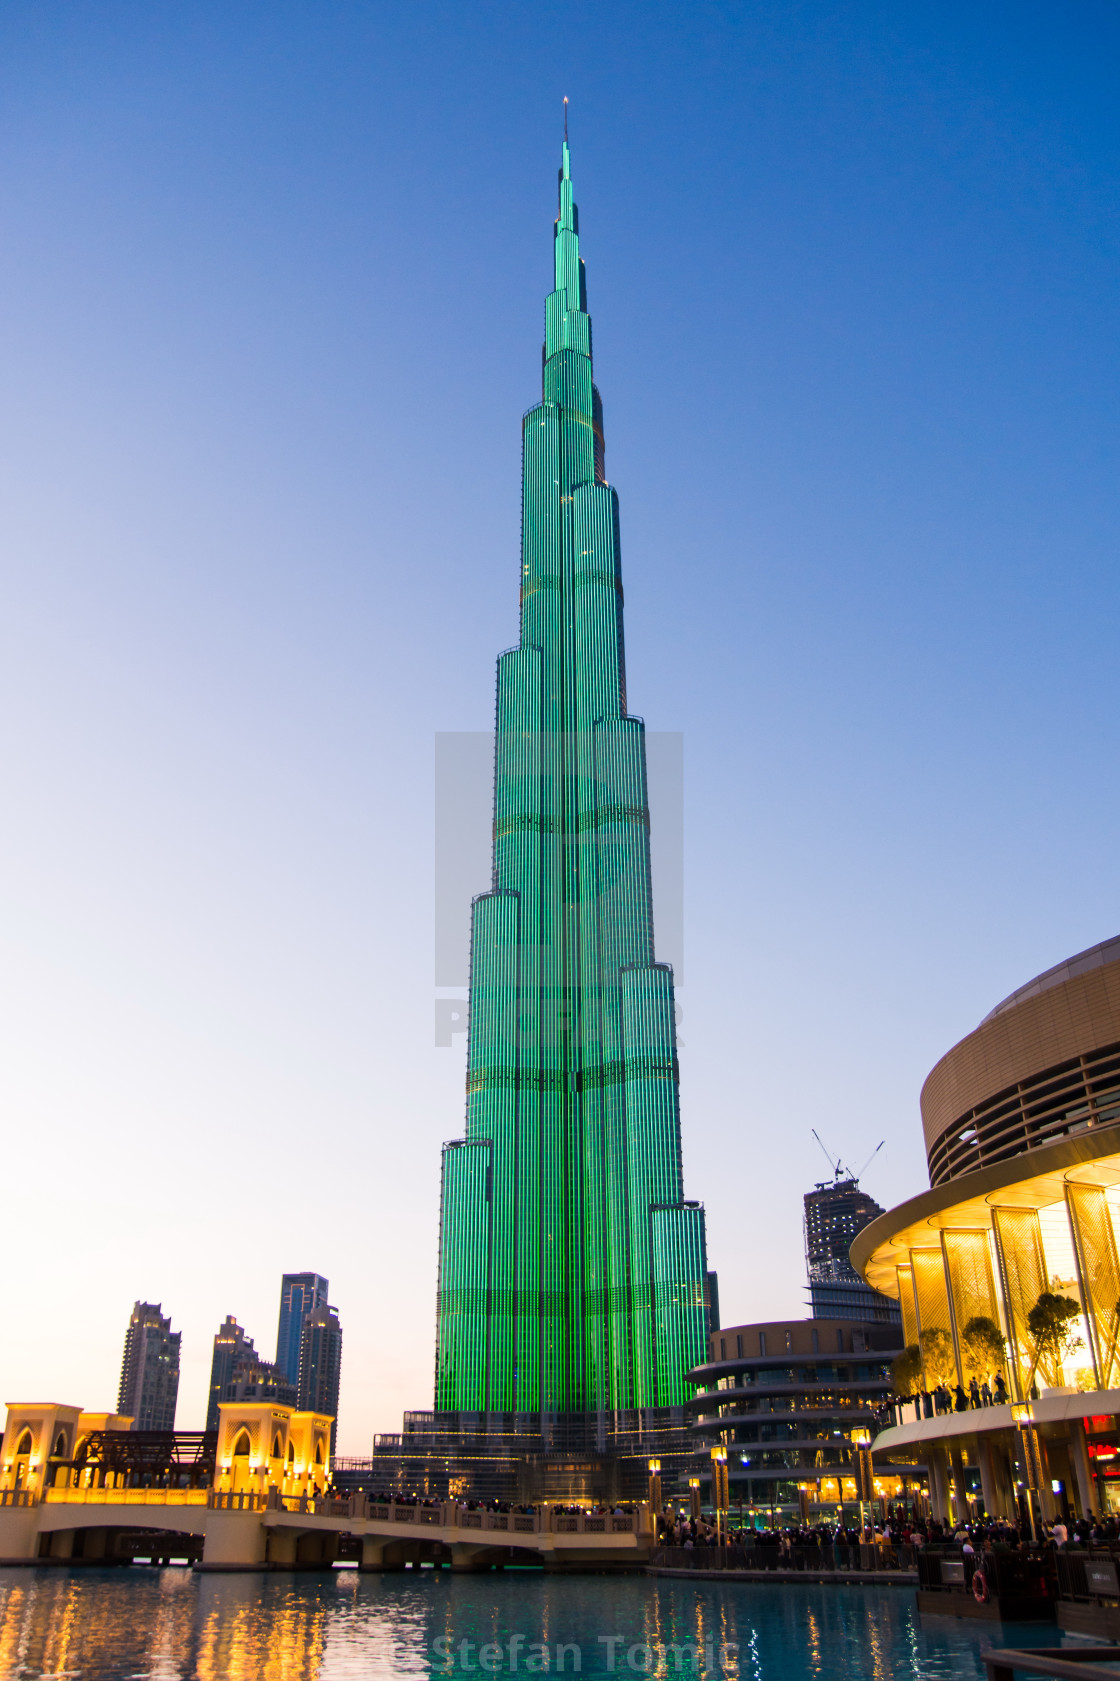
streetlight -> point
(865, 1477)
(694, 1498)
(655, 1486)
(720, 1495)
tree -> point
(1052, 1328)
(938, 1361)
(983, 1351)
(906, 1371)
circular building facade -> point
(1007, 1267)
(783, 1400)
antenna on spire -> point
(565, 117)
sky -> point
(271, 305)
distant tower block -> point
(835, 1214)
(150, 1369)
(300, 1294)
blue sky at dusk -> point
(271, 304)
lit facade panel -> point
(570, 1267)
(1094, 1236)
(1015, 1251)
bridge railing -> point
(451, 1514)
(222, 1500)
(18, 1497)
(127, 1496)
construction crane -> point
(837, 1166)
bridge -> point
(251, 1531)
(257, 1496)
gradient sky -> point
(271, 303)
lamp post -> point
(803, 1501)
(655, 1487)
(694, 1498)
(865, 1477)
(720, 1496)
(1023, 1419)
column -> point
(938, 1483)
(992, 1504)
(1083, 1476)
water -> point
(144, 1624)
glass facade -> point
(300, 1294)
(996, 1275)
(572, 1271)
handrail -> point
(1073, 1665)
(127, 1496)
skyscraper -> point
(834, 1213)
(231, 1345)
(300, 1293)
(150, 1369)
(571, 1269)
(320, 1364)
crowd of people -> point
(621, 1508)
(895, 1531)
(930, 1403)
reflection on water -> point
(140, 1624)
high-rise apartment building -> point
(150, 1369)
(835, 1212)
(259, 1380)
(232, 1345)
(571, 1267)
(320, 1364)
(300, 1294)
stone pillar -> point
(235, 1540)
(281, 1544)
(467, 1557)
(318, 1548)
(19, 1532)
(62, 1543)
(1082, 1474)
(992, 1503)
(1003, 1476)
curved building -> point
(783, 1399)
(1008, 1265)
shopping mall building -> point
(787, 1403)
(1007, 1266)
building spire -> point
(565, 119)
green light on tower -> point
(571, 1270)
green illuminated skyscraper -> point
(571, 1268)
